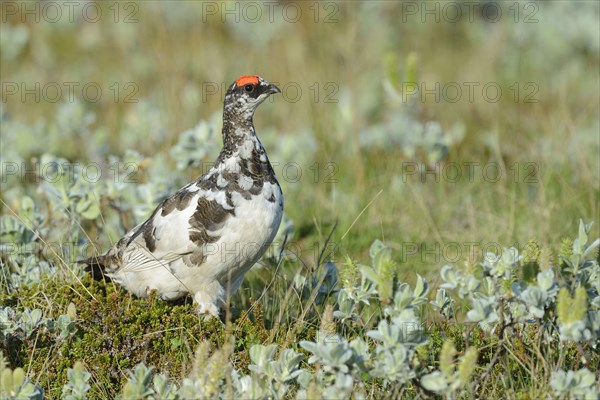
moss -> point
(250, 329)
(115, 331)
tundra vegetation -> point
(440, 166)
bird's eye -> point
(249, 88)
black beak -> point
(272, 89)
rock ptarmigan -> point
(203, 239)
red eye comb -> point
(243, 80)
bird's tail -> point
(96, 266)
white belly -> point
(243, 240)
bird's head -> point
(246, 93)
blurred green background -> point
(442, 128)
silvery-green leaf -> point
(421, 287)
(361, 348)
(591, 248)
(477, 313)
(375, 335)
(375, 248)
(299, 281)
(35, 315)
(582, 238)
(575, 331)
(345, 306)
(88, 208)
(77, 385)
(304, 378)
(403, 297)
(584, 378)
(449, 277)
(27, 208)
(545, 279)
(511, 255)
(518, 311)
(490, 260)
(578, 384)
(559, 381)
(442, 299)
(309, 346)
(567, 261)
(163, 388)
(483, 311)
(260, 354)
(536, 311)
(534, 297)
(435, 382)
(488, 286)
(369, 273)
(341, 354)
(472, 283)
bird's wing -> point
(179, 227)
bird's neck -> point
(241, 147)
(240, 141)
(245, 155)
(235, 133)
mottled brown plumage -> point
(203, 239)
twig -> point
(361, 213)
(325, 244)
(499, 350)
